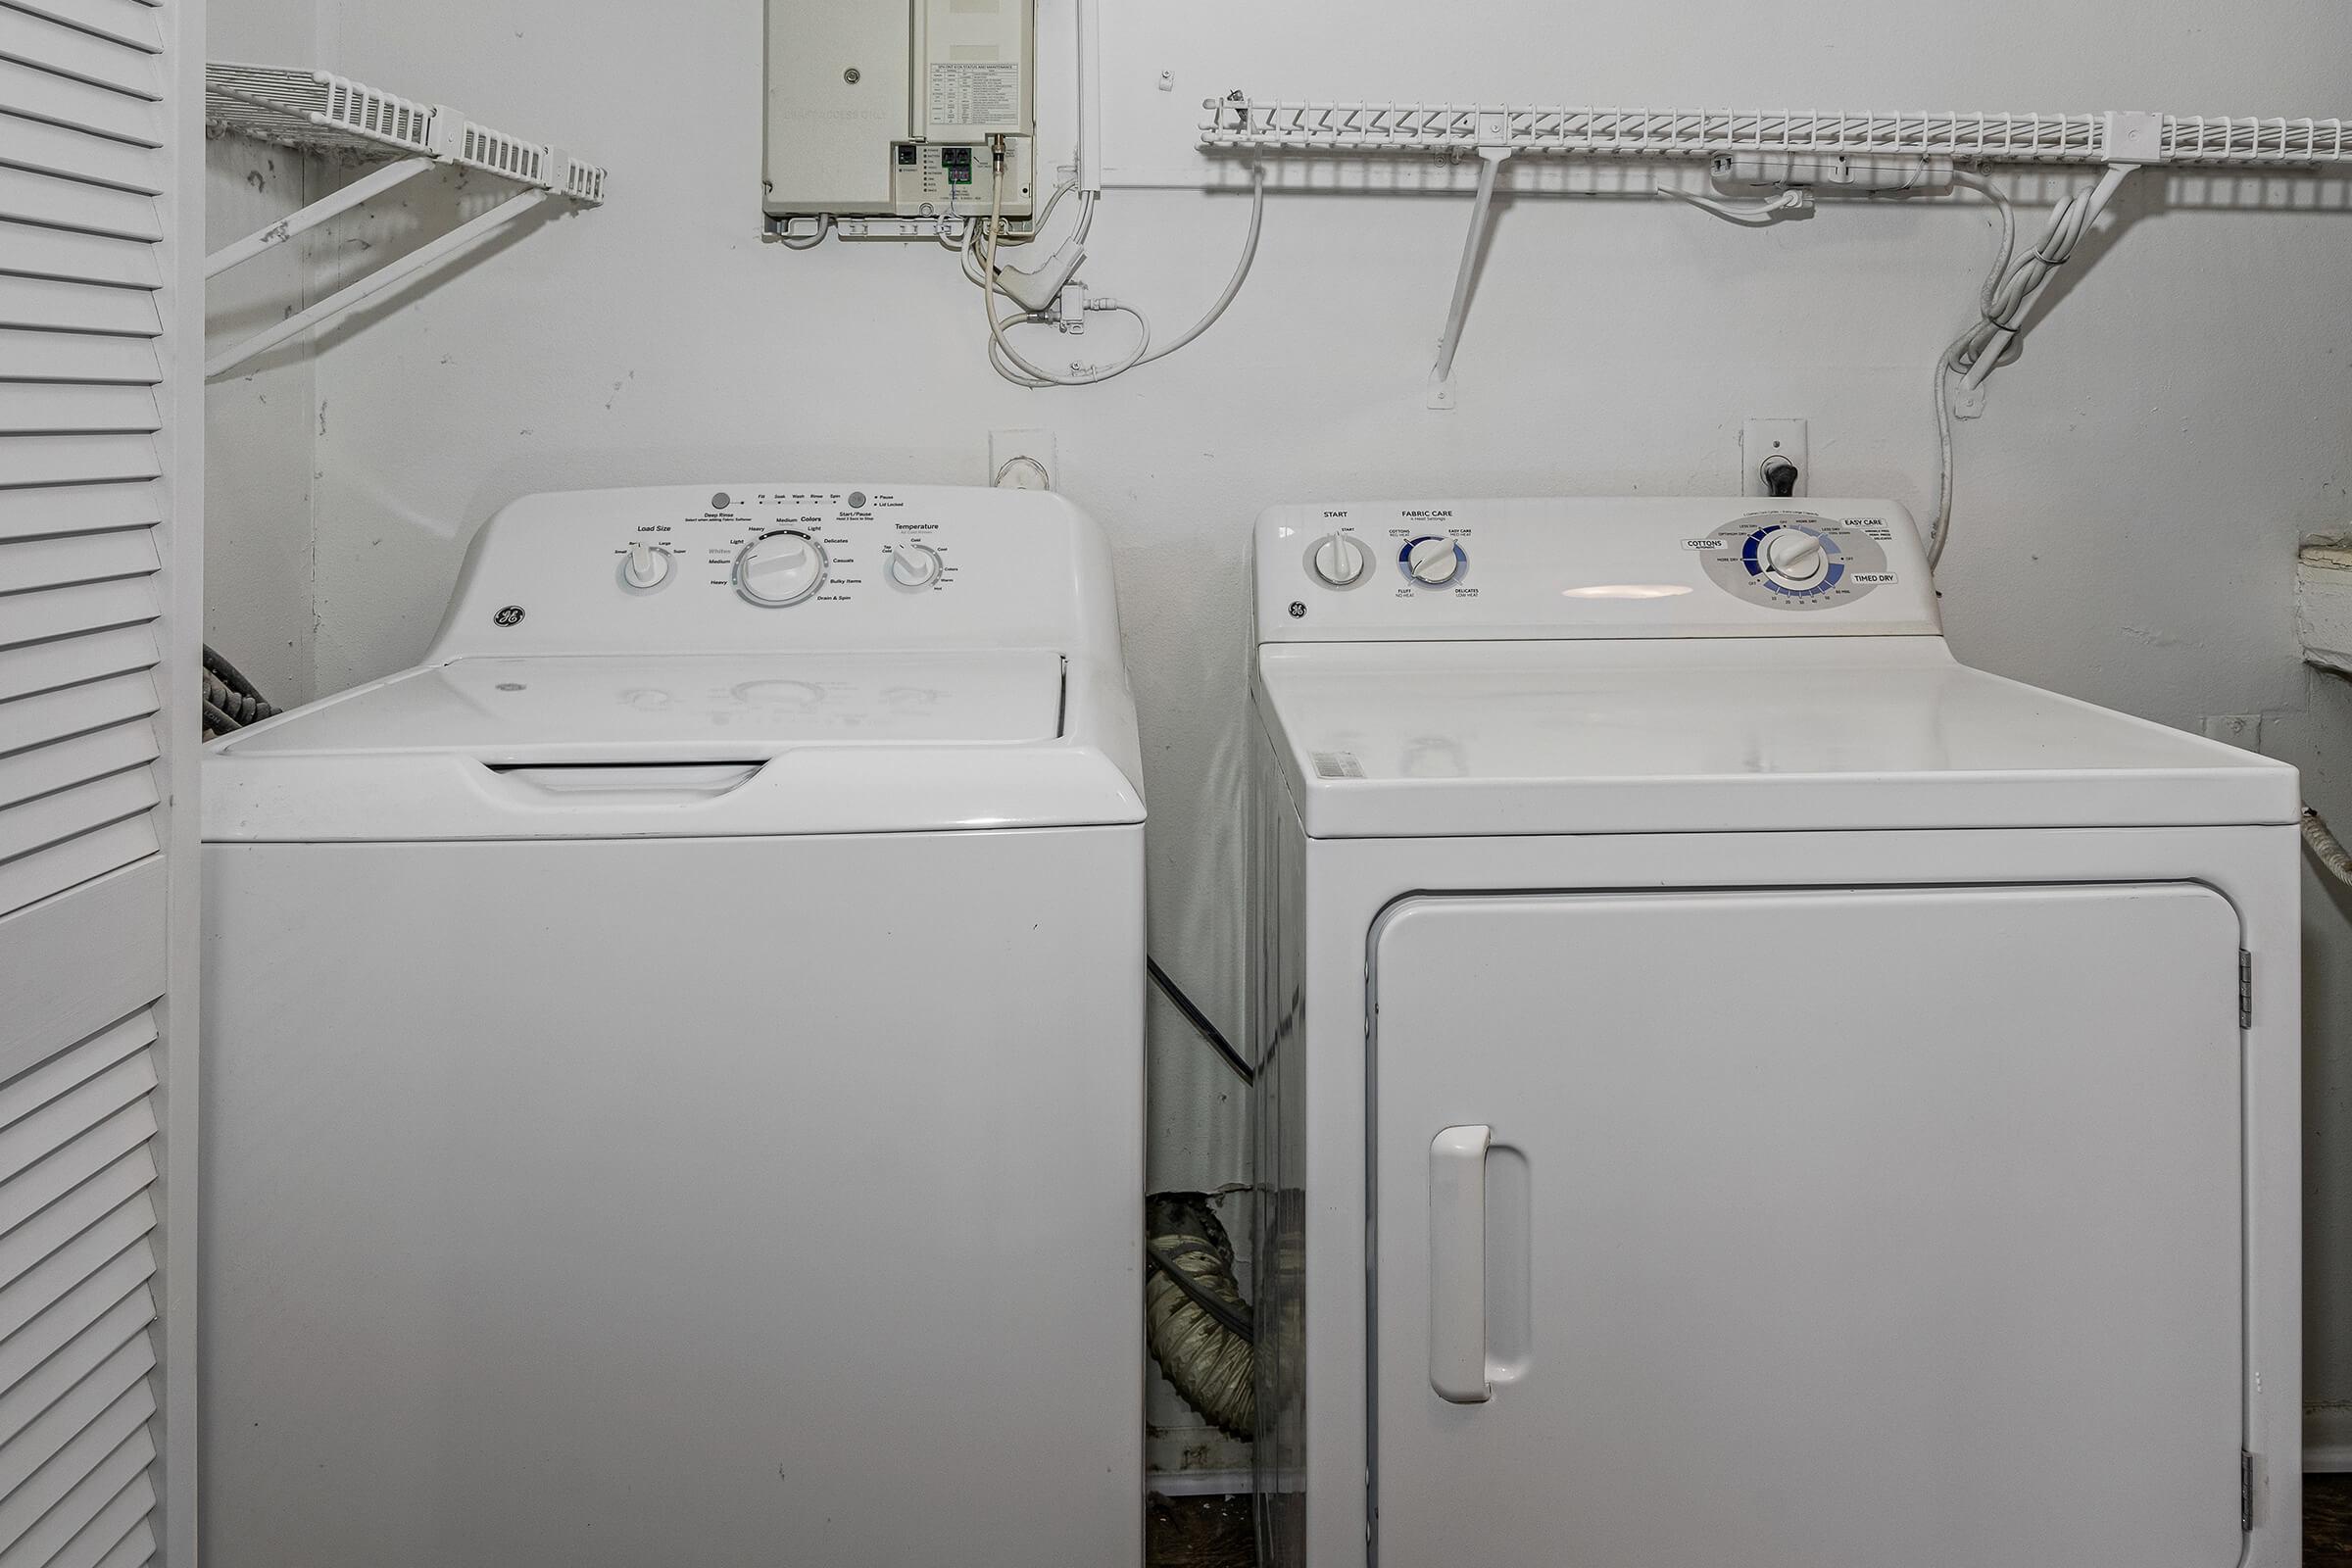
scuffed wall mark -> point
(2153, 637)
(616, 386)
(322, 416)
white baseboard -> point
(1198, 1482)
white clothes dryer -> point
(673, 1060)
(1740, 1085)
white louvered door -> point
(100, 476)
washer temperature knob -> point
(1433, 561)
(913, 566)
(780, 569)
(1339, 561)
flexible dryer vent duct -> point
(1195, 1319)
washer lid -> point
(1448, 739)
(612, 709)
(691, 745)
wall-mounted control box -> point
(880, 113)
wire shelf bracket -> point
(320, 112)
(1237, 123)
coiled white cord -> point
(1009, 362)
(2007, 297)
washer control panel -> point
(776, 549)
(1598, 567)
(770, 565)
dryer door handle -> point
(1457, 1264)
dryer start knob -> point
(1339, 561)
(1433, 561)
(780, 569)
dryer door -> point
(1800, 1228)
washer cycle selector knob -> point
(780, 569)
(1795, 556)
(1339, 561)
(913, 566)
(646, 567)
(1433, 561)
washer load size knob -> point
(645, 566)
(1431, 562)
(780, 569)
(1339, 561)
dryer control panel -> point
(1589, 567)
(781, 565)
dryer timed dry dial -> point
(1798, 560)
(780, 569)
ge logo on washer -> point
(511, 615)
(1297, 608)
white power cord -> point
(1009, 361)
(823, 225)
(1755, 212)
(2008, 295)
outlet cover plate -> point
(1764, 438)
(2238, 729)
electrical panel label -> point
(975, 95)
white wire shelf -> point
(320, 111)
(1254, 125)
(1829, 144)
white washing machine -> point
(673, 1060)
(1743, 1087)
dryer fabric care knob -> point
(1433, 561)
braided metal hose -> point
(2321, 841)
(230, 701)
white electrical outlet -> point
(1761, 440)
(1021, 460)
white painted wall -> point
(259, 422)
(2128, 507)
